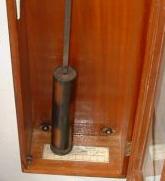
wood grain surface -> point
(149, 92)
(108, 49)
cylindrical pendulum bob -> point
(61, 142)
(63, 78)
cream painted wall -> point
(9, 149)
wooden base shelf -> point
(77, 168)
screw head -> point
(107, 131)
(45, 127)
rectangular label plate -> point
(80, 153)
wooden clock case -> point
(116, 48)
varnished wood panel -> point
(25, 77)
(156, 131)
(111, 169)
(21, 83)
(163, 173)
(110, 47)
(149, 90)
(106, 50)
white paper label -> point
(80, 153)
(157, 151)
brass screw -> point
(107, 131)
(45, 127)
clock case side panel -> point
(21, 81)
(148, 90)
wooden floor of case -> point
(111, 169)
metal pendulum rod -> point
(67, 29)
(63, 81)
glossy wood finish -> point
(110, 48)
(22, 96)
(149, 85)
(163, 173)
(106, 50)
(148, 164)
(112, 169)
(156, 131)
